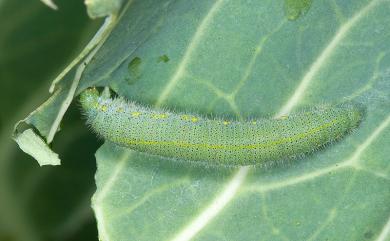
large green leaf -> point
(246, 59)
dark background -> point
(43, 203)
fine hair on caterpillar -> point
(198, 139)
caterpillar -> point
(195, 138)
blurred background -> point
(43, 203)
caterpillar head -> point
(89, 99)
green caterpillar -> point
(215, 141)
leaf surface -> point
(245, 59)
